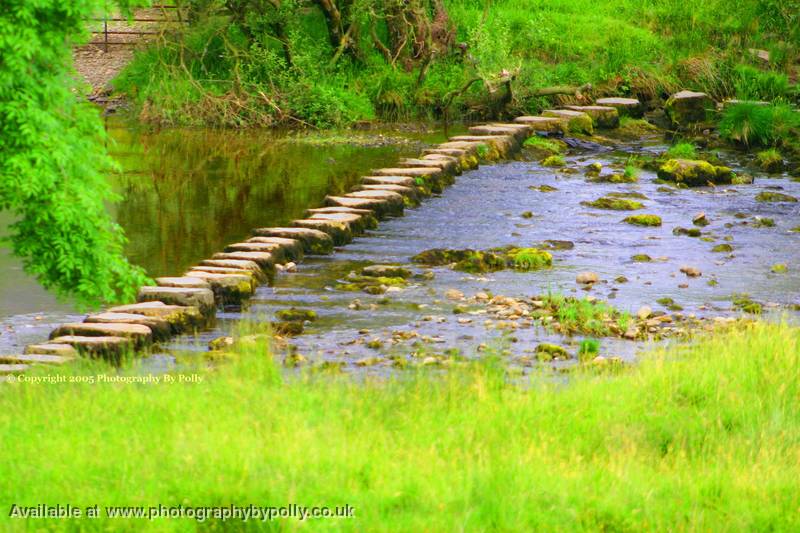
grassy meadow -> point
(699, 437)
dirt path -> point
(99, 63)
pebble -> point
(644, 312)
(587, 278)
(692, 272)
(454, 294)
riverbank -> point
(696, 438)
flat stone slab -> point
(338, 209)
(265, 260)
(520, 131)
(393, 201)
(35, 359)
(137, 332)
(687, 107)
(182, 282)
(277, 251)
(451, 152)
(97, 346)
(230, 266)
(62, 350)
(340, 232)
(545, 124)
(202, 299)
(381, 208)
(292, 248)
(471, 148)
(180, 317)
(257, 275)
(413, 172)
(13, 369)
(602, 116)
(406, 181)
(159, 326)
(408, 192)
(314, 241)
(445, 165)
(358, 223)
(228, 288)
(624, 106)
(443, 157)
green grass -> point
(235, 73)
(696, 439)
(757, 125)
(682, 150)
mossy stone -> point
(643, 220)
(616, 204)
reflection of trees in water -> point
(193, 191)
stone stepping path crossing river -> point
(189, 302)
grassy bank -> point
(701, 438)
(266, 66)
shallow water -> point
(483, 210)
(187, 194)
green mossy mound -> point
(643, 220)
(722, 248)
(771, 196)
(475, 261)
(296, 315)
(554, 161)
(694, 173)
(615, 204)
(529, 258)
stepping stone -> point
(358, 223)
(97, 346)
(381, 208)
(442, 157)
(257, 276)
(340, 232)
(314, 241)
(393, 202)
(445, 165)
(180, 317)
(520, 131)
(228, 288)
(277, 251)
(471, 148)
(577, 121)
(405, 181)
(545, 124)
(13, 369)
(292, 248)
(411, 193)
(687, 107)
(428, 173)
(458, 153)
(182, 282)
(602, 117)
(265, 260)
(337, 209)
(161, 328)
(202, 299)
(35, 359)
(62, 350)
(136, 332)
(504, 145)
(232, 264)
(625, 106)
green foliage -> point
(261, 62)
(682, 150)
(530, 258)
(588, 348)
(689, 438)
(754, 84)
(759, 125)
(53, 159)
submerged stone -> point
(771, 196)
(615, 204)
(643, 220)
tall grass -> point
(700, 438)
(757, 125)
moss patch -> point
(771, 196)
(615, 204)
(643, 220)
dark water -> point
(187, 193)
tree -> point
(53, 158)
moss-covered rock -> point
(688, 107)
(386, 271)
(553, 161)
(687, 232)
(294, 314)
(643, 220)
(616, 204)
(370, 284)
(543, 188)
(577, 121)
(614, 178)
(602, 116)
(772, 196)
(636, 195)
(742, 179)
(529, 258)
(694, 173)
(544, 147)
(548, 352)
(770, 160)
(743, 302)
(641, 258)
